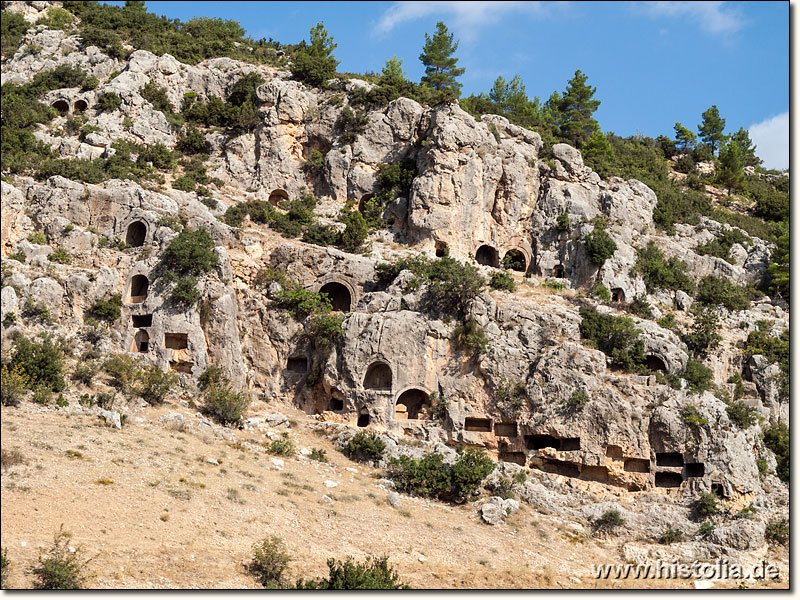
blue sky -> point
(653, 63)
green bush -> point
(319, 455)
(108, 102)
(365, 446)
(609, 520)
(154, 385)
(41, 363)
(373, 574)
(692, 416)
(741, 415)
(270, 560)
(322, 235)
(601, 292)
(14, 27)
(471, 337)
(192, 141)
(283, 446)
(431, 477)
(670, 536)
(713, 290)
(313, 70)
(191, 253)
(721, 246)
(85, 372)
(325, 329)
(562, 223)
(124, 372)
(704, 334)
(707, 505)
(13, 385)
(502, 281)
(616, 337)
(355, 232)
(224, 404)
(774, 348)
(352, 124)
(660, 272)
(60, 255)
(577, 401)
(300, 302)
(777, 532)
(37, 237)
(59, 568)
(776, 438)
(107, 309)
(599, 245)
(705, 529)
(186, 292)
(699, 377)
(90, 83)
(640, 307)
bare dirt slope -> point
(150, 510)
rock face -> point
(482, 190)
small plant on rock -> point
(777, 532)
(609, 521)
(707, 505)
(365, 446)
(670, 536)
(283, 446)
(502, 281)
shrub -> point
(41, 363)
(706, 505)
(714, 290)
(124, 372)
(599, 245)
(704, 334)
(191, 253)
(601, 292)
(777, 532)
(502, 281)
(373, 574)
(186, 292)
(108, 102)
(283, 446)
(504, 488)
(365, 446)
(192, 141)
(313, 70)
(774, 348)
(300, 302)
(355, 232)
(776, 438)
(319, 455)
(692, 416)
(660, 272)
(211, 376)
(609, 520)
(35, 310)
(105, 400)
(325, 329)
(223, 404)
(37, 237)
(107, 309)
(705, 529)
(721, 246)
(154, 385)
(470, 336)
(270, 560)
(13, 385)
(322, 235)
(640, 307)
(14, 27)
(4, 563)
(315, 162)
(510, 397)
(741, 415)
(59, 569)
(430, 476)
(352, 124)
(440, 408)
(699, 377)
(616, 337)
(671, 536)
(90, 83)
(562, 223)
(577, 400)
(60, 256)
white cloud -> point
(467, 17)
(713, 17)
(771, 137)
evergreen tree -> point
(393, 70)
(577, 107)
(314, 63)
(510, 96)
(685, 137)
(440, 64)
(732, 160)
(742, 138)
(711, 129)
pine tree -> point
(742, 138)
(684, 136)
(732, 160)
(314, 63)
(577, 107)
(509, 96)
(440, 64)
(711, 129)
(393, 71)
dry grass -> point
(10, 458)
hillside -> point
(215, 262)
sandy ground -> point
(149, 510)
